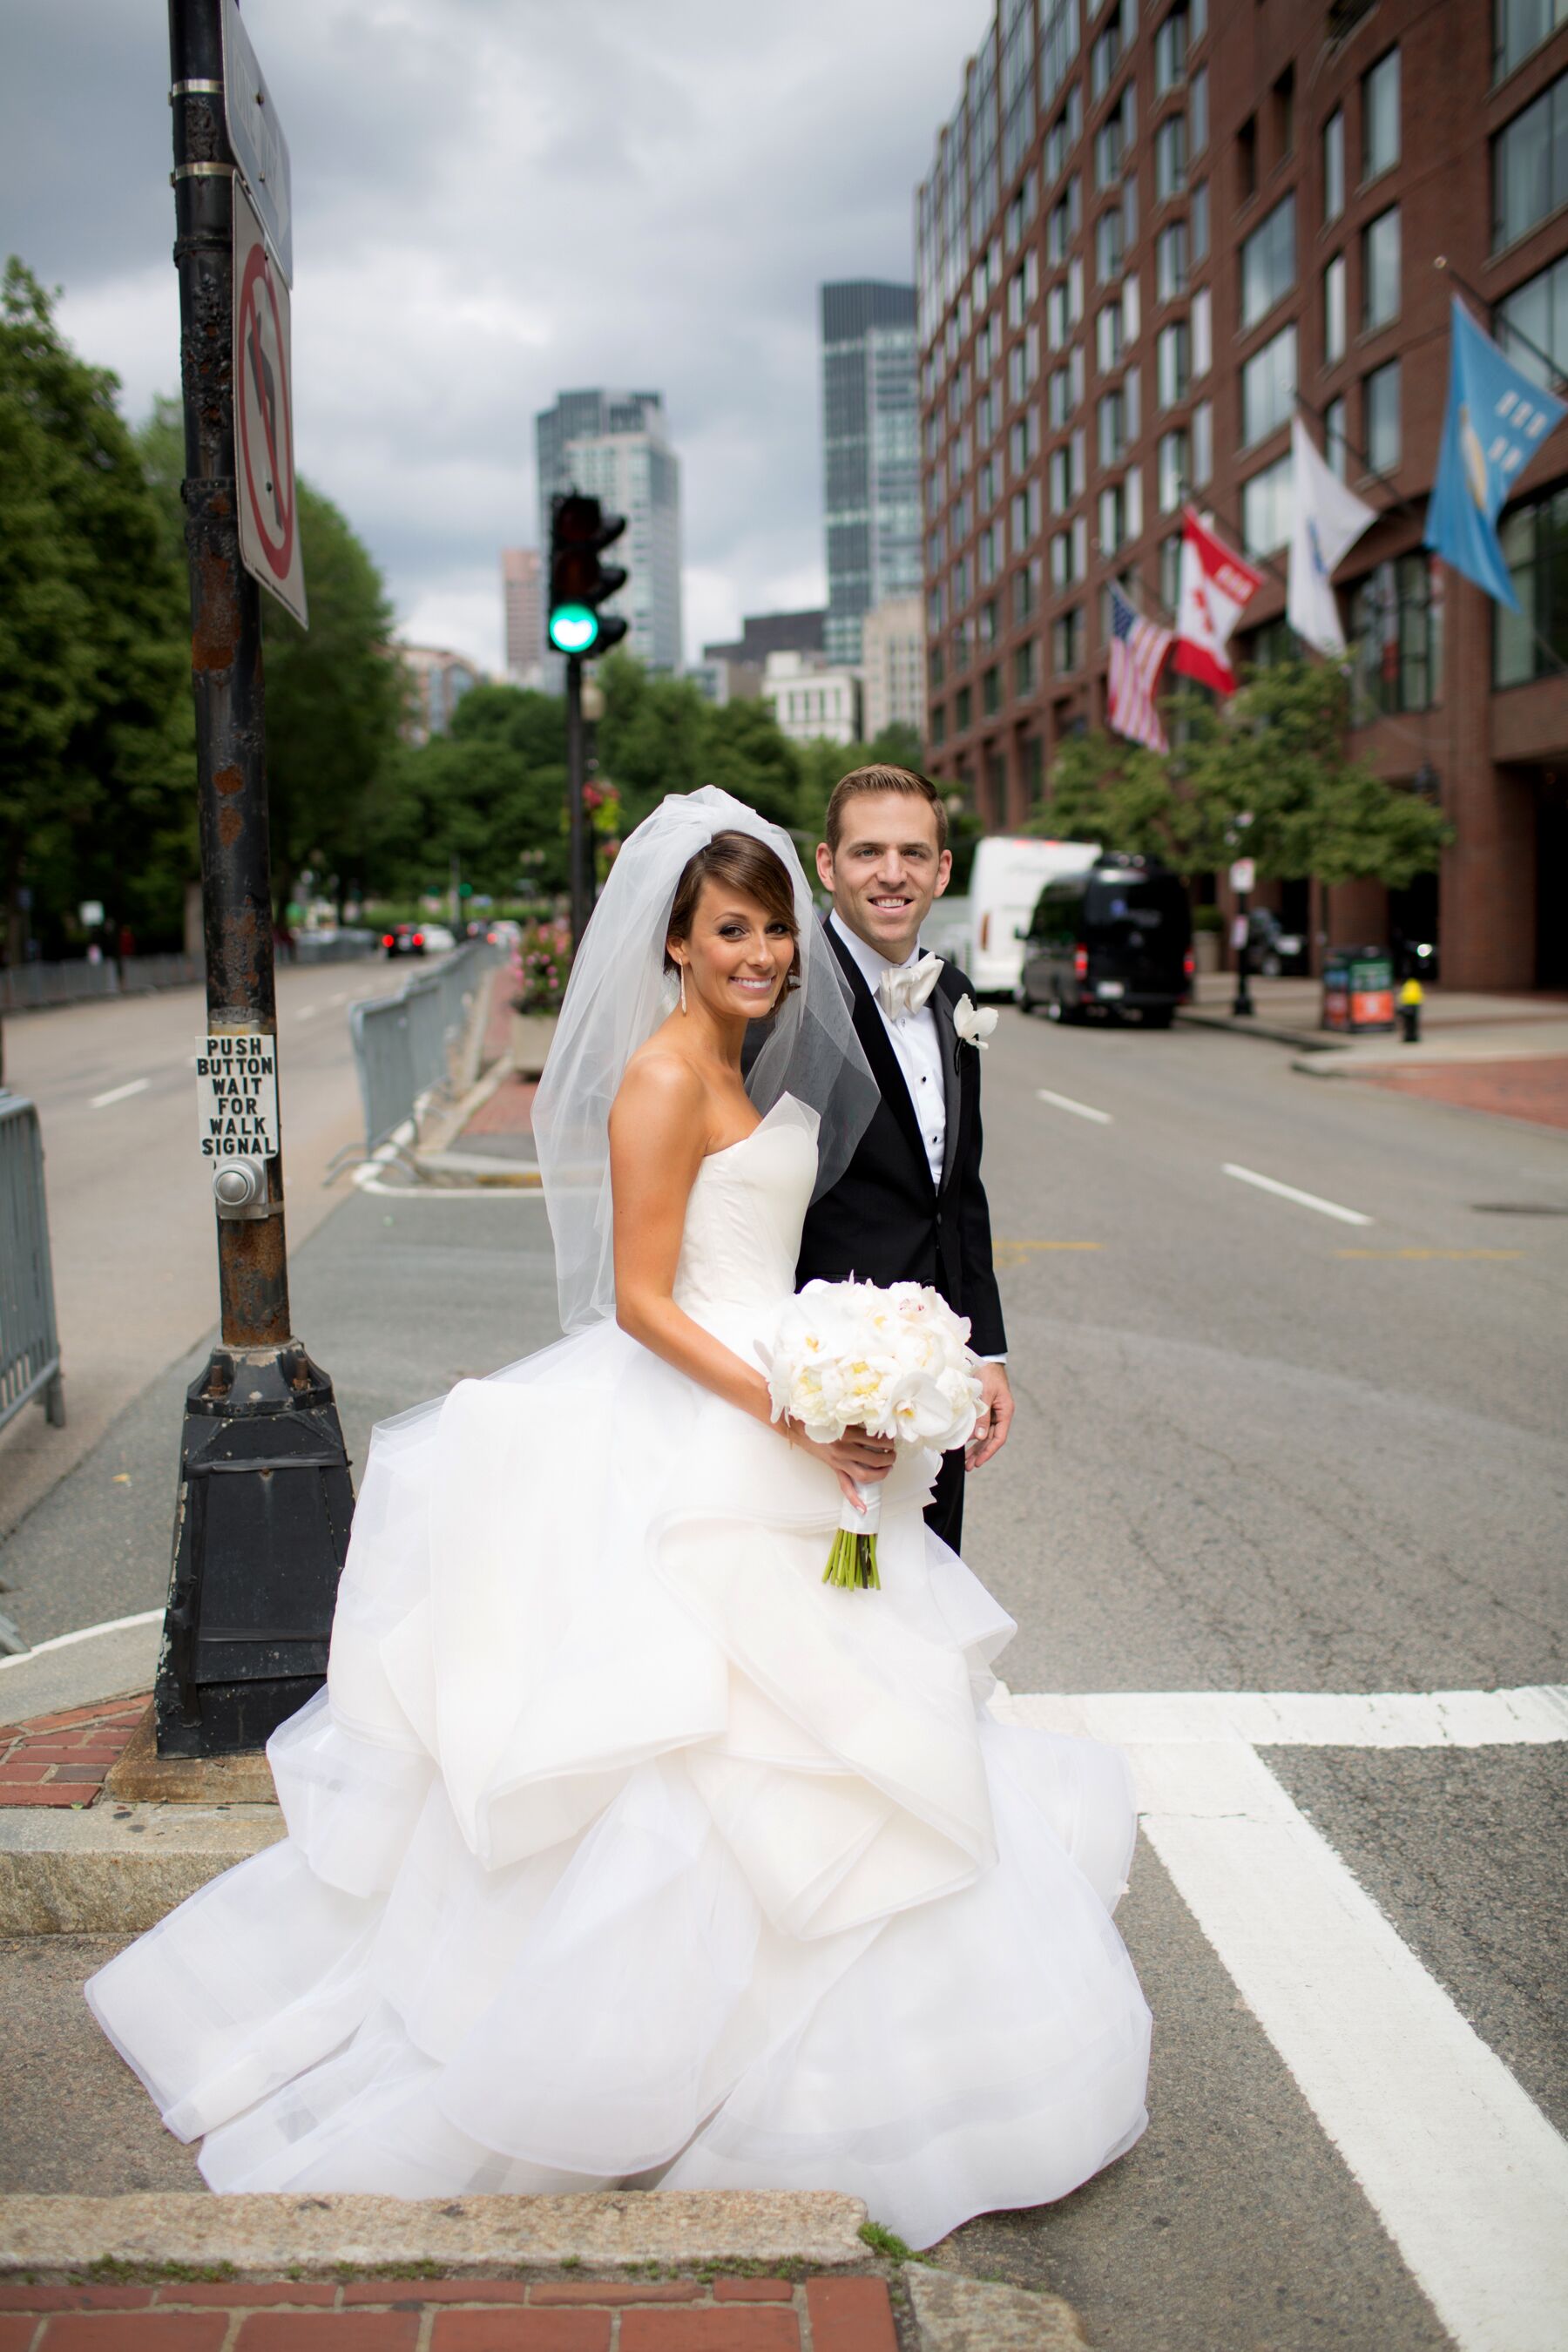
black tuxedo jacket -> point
(885, 1220)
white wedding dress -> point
(622, 1848)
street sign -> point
(90, 913)
(256, 137)
(1243, 873)
(236, 1096)
(264, 417)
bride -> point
(620, 1847)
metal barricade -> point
(409, 1049)
(29, 1341)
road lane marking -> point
(341, 997)
(1078, 1110)
(82, 1634)
(1383, 2055)
(1019, 1253)
(1290, 1192)
(307, 1012)
(1429, 1253)
(119, 1093)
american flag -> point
(1137, 651)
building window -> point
(1530, 164)
(1284, 99)
(1065, 566)
(1063, 221)
(938, 724)
(1173, 362)
(1519, 27)
(1396, 631)
(1269, 262)
(1173, 468)
(963, 710)
(1114, 531)
(1268, 388)
(936, 668)
(1203, 444)
(1198, 217)
(1380, 117)
(1380, 418)
(1171, 41)
(1067, 642)
(1059, 397)
(1107, 246)
(1198, 111)
(1203, 332)
(1171, 262)
(1535, 548)
(991, 691)
(1380, 269)
(1058, 482)
(1171, 571)
(1026, 590)
(1024, 677)
(1170, 158)
(1536, 314)
(1336, 455)
(1334, 166)
(1247, 161)
(1110, 417)
(1108, 338)
(1334, 309)
(989, 613)
(1266, 507)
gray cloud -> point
(495, 200)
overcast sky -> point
(495, 200)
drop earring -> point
(683, 988)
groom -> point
(911, 1205)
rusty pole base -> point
(261, 1533)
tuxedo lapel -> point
(951, 1080)
(873, 1035)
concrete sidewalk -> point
(1455, 1025)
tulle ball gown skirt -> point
(621, 1848)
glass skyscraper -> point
(870, 422)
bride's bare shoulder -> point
(660, 1093)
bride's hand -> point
(856, 1459)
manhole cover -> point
(1518, 1208)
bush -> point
(540, 964)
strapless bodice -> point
(745, 1216)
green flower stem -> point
(852, 1563)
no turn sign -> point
(264, 416)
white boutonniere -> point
(972, 1023)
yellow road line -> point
(1429, 1253)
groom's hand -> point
(995, 1417)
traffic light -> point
(580, 530)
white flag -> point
(1329, 519)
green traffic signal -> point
(573, 628)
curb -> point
(314, 2236)
(1302, 1043)
(116, 1870)
(964, 2314)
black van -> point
(1115, 939)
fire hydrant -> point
(1410, 1012)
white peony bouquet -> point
(895, 1363)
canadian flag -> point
(1214, 586)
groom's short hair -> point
(882, 777)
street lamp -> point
(1243, 876)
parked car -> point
(980, 931)
(1271, 949)
(1115, 940)
(403, 940)
(438, 938)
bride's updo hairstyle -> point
(745, 864)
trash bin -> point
(1358, 990)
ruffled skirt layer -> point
(620, 1848)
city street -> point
(1287, 1353)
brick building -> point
(1145, 230)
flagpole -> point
(1547, 361)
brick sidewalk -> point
(63, 1760)
(1534, 1090)
(509, 1111)
(460, 2315)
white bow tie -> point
(904, 988)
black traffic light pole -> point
(262, 1516)
(578, 845)
(580, 581)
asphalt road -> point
(1260, 1448)
(129, 1202)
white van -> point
(982, 930)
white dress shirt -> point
(916, 1048)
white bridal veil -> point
(617, 997)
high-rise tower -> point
(871, 454)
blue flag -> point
(1496, 420)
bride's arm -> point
(658, 1138)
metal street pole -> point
(262, 1518)
(1242, 1003)
(576, 776)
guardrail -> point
(29, 1340)
(28, 987)
(420, 1044)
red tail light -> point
(1188, 964)
(1080, 963)
(389, 940)
(418, 939)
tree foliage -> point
(96, 740)
(1269, 767)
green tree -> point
(96, 758)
